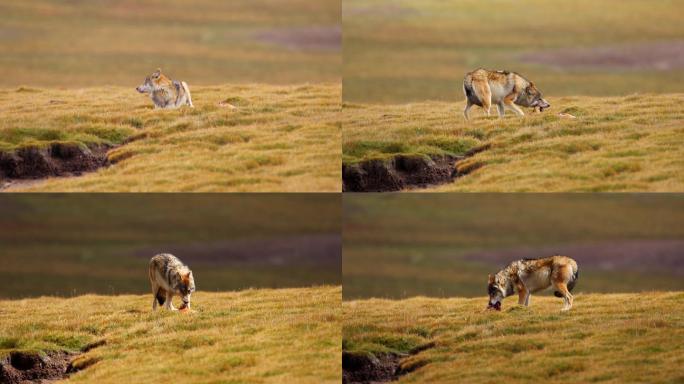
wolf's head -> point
(498, 288)
(151, 82)
(186, 285)
(532, 97)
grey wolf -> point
(170, 277)
(164, 92)
(502, 88)
(527, 276)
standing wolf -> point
(164, 92)
(505, 89)
(169, 277)
(532, 275)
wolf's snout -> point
(138, 89)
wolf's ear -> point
(491, 279)
(156, 73)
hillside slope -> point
(629, 143)
(607, 338)
(264, 336)
(237, 138)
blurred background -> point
(80, 43)
(441, 245)
(72, 244)
(411, 50)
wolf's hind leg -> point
(466, 109)
(562, 288)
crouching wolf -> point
(164, 92)
(505, 89)
(169, 277)
(532, 275)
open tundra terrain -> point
(258, 336)
(625, 143)
(605, 338)
(237, 138)
(445, 244)
(398, 51)
(74, 244)
(83, 43)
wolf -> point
(532, 275)
(502, 88)
(169, 277)
(164, 92)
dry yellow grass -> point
(607, 338)
(630, 143)
(278, 138)
(256, 336)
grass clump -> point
(212, 147)
(475, 345)
(614, 144)
(265, 336)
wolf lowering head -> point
(170, 277)
(164, 92)
(527, 276)
(504, 89)
(532, 97)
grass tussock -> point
(607, 338)
(264, 336)
(276, 138)
(615, 143)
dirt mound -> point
(641, 255)
(304, 38)
(58, 159)
(399, 172)
(404, 171)
(21, 367)
(652, 56)
(379, 367)
(369, 368)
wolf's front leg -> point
(168, 304)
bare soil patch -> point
(328, 38)
(661, 56)
(407, 171)
(32, 367)
(358, 368)
(641, 255)
(58, 159)
(318, 249)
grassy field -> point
(627, 143)
(277, 138)
(82, 43)
(73, 244)
(607, 338)
(257, 336)
(445, 245)
(398, 51)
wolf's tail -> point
(468, 87)
(571, 283)
(187, 92)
